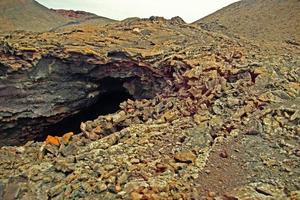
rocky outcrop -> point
(75, 14)
(54, 89)
(223, 124)
(81, 17)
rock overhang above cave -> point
(23, 49)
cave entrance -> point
(112, 93)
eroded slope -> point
(28, 15)
(271, 20)
(226, 124)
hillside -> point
(276, 20)
(75, 14)
(149, 109)
(28, 15)
(201, 113)
(83, 17)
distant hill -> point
(28, 15)
(75, 14)
(79, 18)
(276, 20)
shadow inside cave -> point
(107, 102)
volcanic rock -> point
(205, 116)
(75, 14)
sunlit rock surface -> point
(223, 122)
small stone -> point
(158, 185)
(160, 168)
(130, 110)
(132, 186)
(269, 190)
(170, 116)
(298, 153)
(66, 137)
(63, 167)
(113, 188)
(135, 196)
(20, 149)
(185, 157)
(52, 140)
(109, 167)
(212, 194)
(56, 190)
(295, 116)
(223, 154)
(135, 161)
(123, 178)
(98, 130)
(52, 149)
(71, 149)
(233, 102)
(136, 30)
(101, 187)
(252, 132)
(201, 118)
(118, 188)
(217, 110)
(88, 187)
(120, 116)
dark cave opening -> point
(112, 93)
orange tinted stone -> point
(66, 137)
(52, 140)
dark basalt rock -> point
(55, 89)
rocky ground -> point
(224, 123)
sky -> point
(189, 10)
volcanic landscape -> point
(95, 108)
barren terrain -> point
(201, 114)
